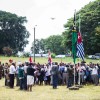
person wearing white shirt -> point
(81, 73)
(48, 75)
(12, 71)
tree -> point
(43, 46)
(37, 46)
(13, 33)
(54, 43)
(90, 24)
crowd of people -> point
(30, 74)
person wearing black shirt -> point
(30, 77)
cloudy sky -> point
(40, 12)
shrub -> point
(26, 54)
(53, 55)
(7, 51)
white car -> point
(97, 56)
(91, 56)
(60, 56)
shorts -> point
(30, 80)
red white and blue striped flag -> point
(80, 48)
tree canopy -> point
(90, 27)
(54, 43)
(13, 32)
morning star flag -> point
(74, 40)
(74, 43)
(80, 48)
(49, 57)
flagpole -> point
(79, 58)
(34, 44)
(79, 73)
(74, 54)
(74, 74)
(79, 24)
(74, 45)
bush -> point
(7, 51)
(53, 55)
(26, 54)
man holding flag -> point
(49, 58)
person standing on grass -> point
(21, 76)
(64, 75)
(94, 74)
(98, 72)
(42, 74)
(25, 75)
(55, 72)
(1, 68)
(17, 78)
(12, 71)
(30, 77)
(6, 73)
(48, 75)
(70, 76)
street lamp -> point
(34, 43)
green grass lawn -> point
(43, 60)
(88, 92)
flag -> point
(80, 48)
(74, 43)
(49, 57)
(30, 60)
(74, 40)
